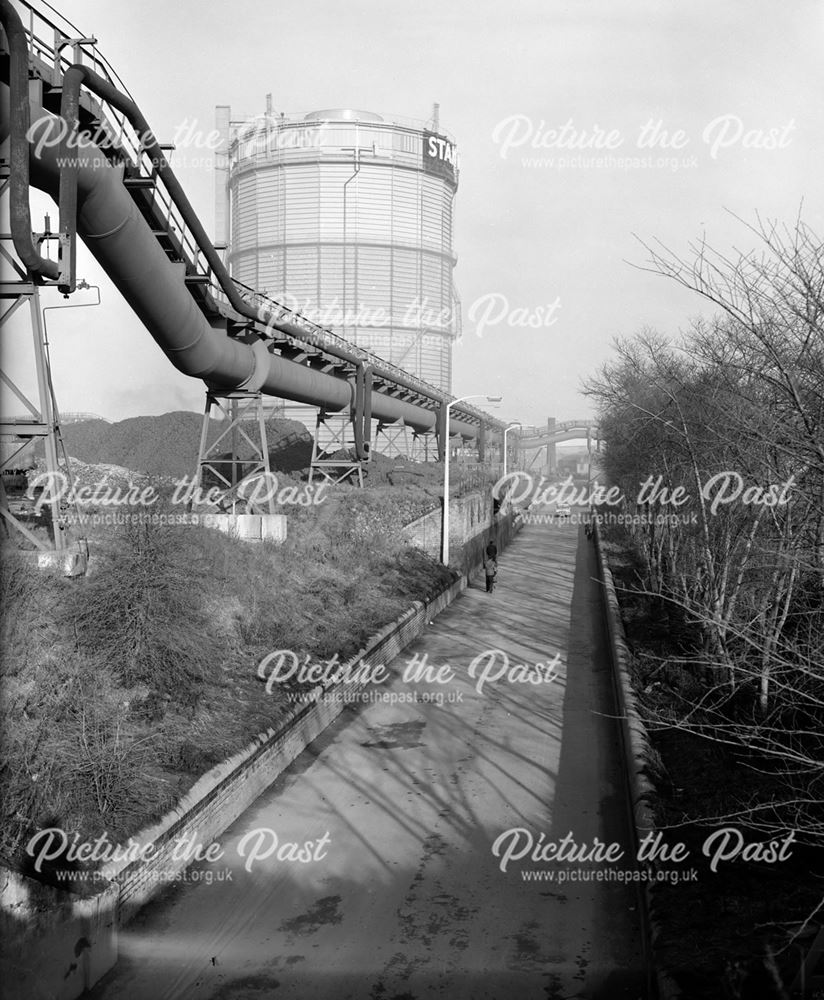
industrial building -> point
(347, 218)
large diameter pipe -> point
(70, 103)
(121, 240)
(17, 101)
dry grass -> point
(120, 688)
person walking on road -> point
(490, 570)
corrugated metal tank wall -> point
(348, 219)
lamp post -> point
(357, 157)
(445, 542)
(515, 423)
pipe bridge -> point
(77, 134)
(555, 432)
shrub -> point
(141, 612)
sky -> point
(730, 95)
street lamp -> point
(445, 542)
(515, 423)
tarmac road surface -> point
(398, 808)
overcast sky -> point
(730, 77)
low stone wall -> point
(501, 529)
(468, 515)
(636, 747)
(248, 527)
(636, 741)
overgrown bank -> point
(739, 931)
(119, 689)
(714, 447)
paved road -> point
(408, 900)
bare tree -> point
(741, 397)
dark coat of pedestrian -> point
(491, 572)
